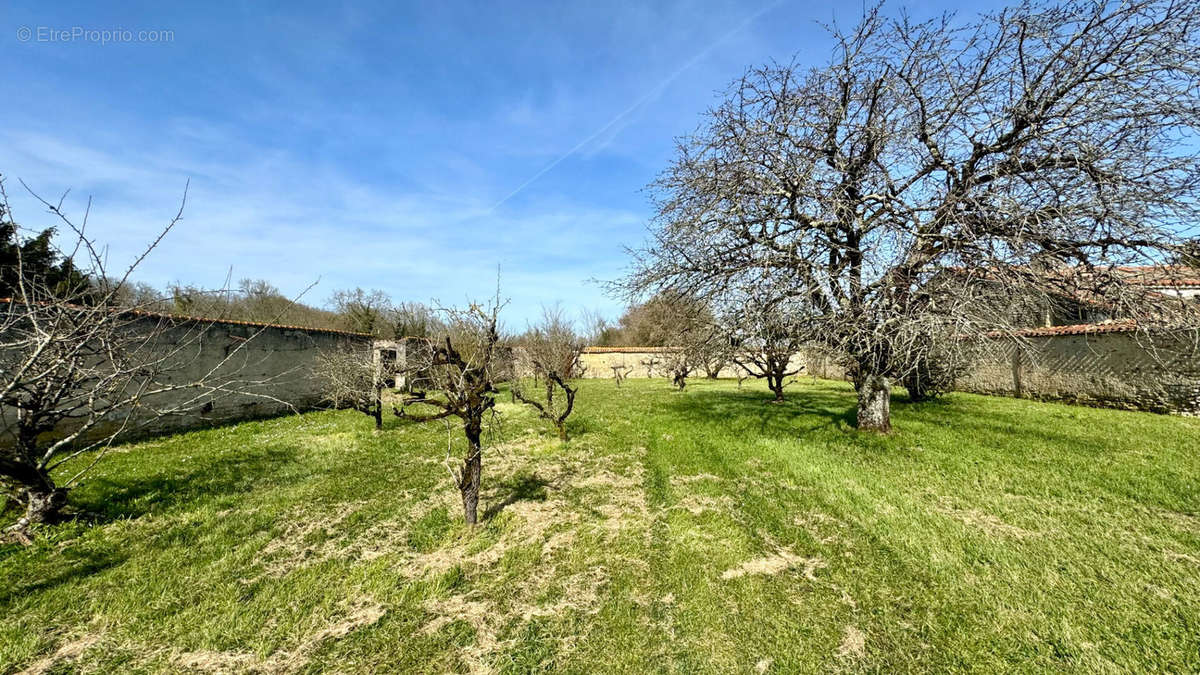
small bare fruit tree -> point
(679, 361)
(352, 380)
(81, 369)
(550, 353)
(693, 342)
(765, 333)
(1035, 150)
(620, 370)
(456, 370)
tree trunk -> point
(915, 384)
(377, 406)
(468, 483)
(43, 506)
(1018, 387)
(775, 383)
(43, 500)
(874, 403)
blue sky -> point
(407, 148)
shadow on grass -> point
(75, 564)
(525, 486)
(813, 408)
(714, 406)
(105, 499)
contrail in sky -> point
(638, 103)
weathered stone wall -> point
(598, 362)
(823, 364)
(270, 374)
(273, 371)
(1157, 373)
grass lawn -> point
(703, 531)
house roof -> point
(1163, 276)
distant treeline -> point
(649, 324)
(372, 312)
(362, 311)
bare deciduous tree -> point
(765, 332)
(691, 336)
(693, 350)
(457, 369)
(679, 363)
(550, 354)
(620, 371)
(1033, 152)
(353, 380)
(412, 319)
(363, 311)
(708, 346)
(80, 369)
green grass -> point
(703, 531)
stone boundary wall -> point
(644, 362)
(278, 361)
(1099, 365)
(1156, 373)
(274, 367)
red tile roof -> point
(1172, 276)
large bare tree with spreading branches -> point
(1028, 152)
(82, 368)
(454, 372)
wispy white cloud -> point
(280, 218)
(371, 146)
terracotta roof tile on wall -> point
(1122, 326)
(237, 322)
(624, 350)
